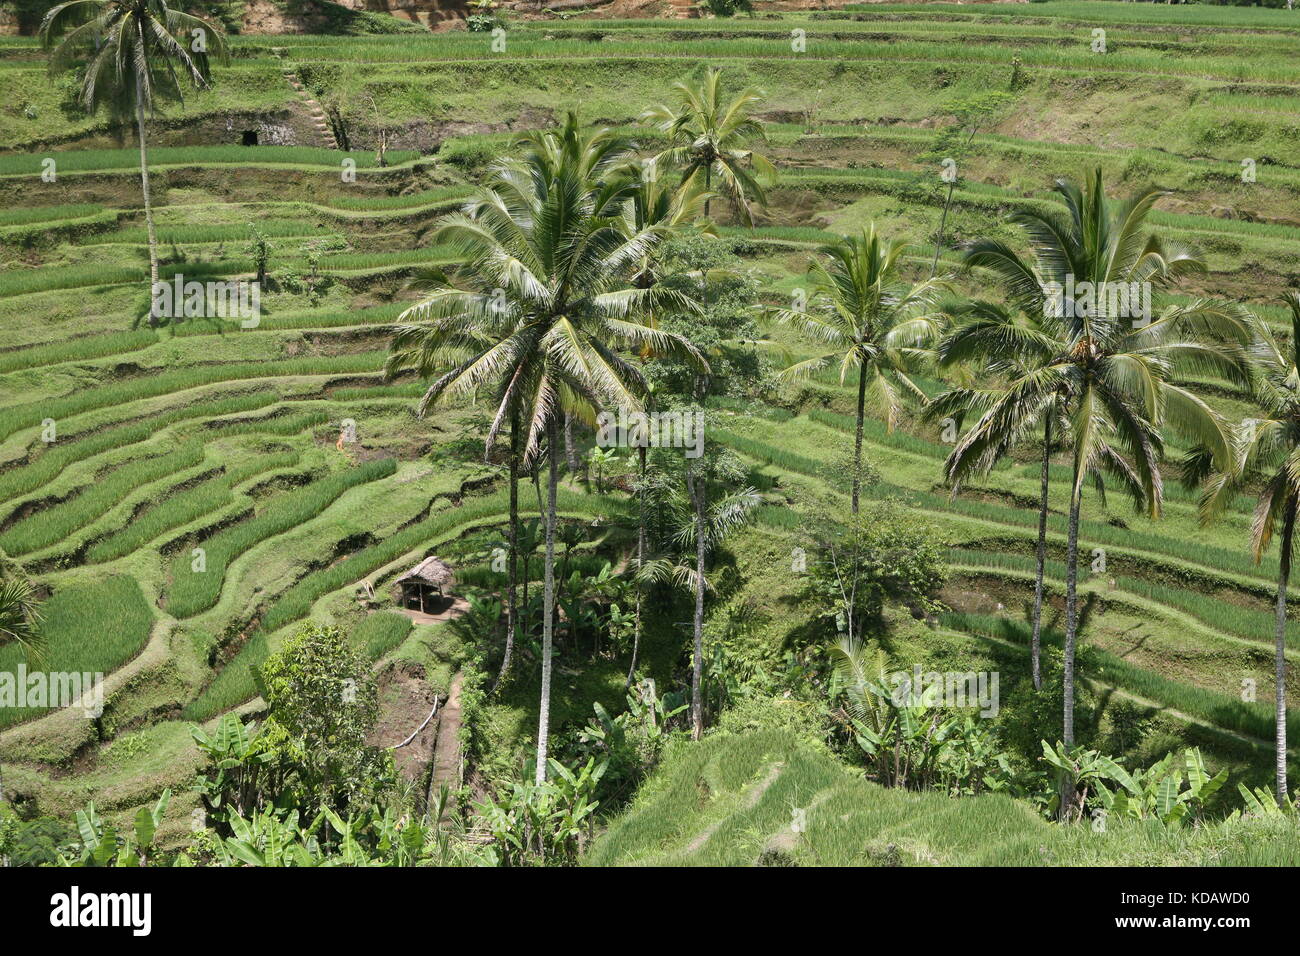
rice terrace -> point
(649, 432)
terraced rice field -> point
(192, 483)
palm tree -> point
(1112, 369)
(710, 136)
(20, 617)
(473, 326)
(872, 321)
(546, 312)
(714, 514)
(135, 52)
(1267, 449)
(1003, 345)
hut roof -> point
(432, 570)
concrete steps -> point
(324, 134)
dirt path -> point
(405, 699)
(754, 795)
(447, 757)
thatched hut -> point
(424, 588)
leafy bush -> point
(729, 8)
(630, 744)
(544, 824)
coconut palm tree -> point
(1002, 346)
(1267, 449)
(872, 321)
(1111, 368)
(545, 311)
(710, 137)
(20, 617)
(135, 52)
(711, 510)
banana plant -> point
(99, 842)
(232, 780)
(1080, 769)
(597, 459)
(1261, 802)
(1176, 787)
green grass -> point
(94, 160)
(1251, 719)
(90, 626)
(235, 684)
(1103, 11)
(193, 592)
(1217, 613)
(164, 383)
(643, 44)
(381, 632)
(1092, 532)
(65, 452)
(180, 508)
(730, 800)
(39, 214)
(235, 232)
(52, 525)
(64, 278)
(77, 350)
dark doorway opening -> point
(250, 137)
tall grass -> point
(1091, 532)
(210, 232)
(24, 215)
(194, 591)
(92, 626)
(754, 778)
(50, 465)
(180, 508)
(77, 350)
(90, 160)
(62, 278)
(1214, 612)
(52, 525)
(379, 633)
(1101, 11)
(876, 433)
(164, 383)
(366, 203)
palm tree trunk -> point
(640, 561)
(943, 219)
(148, 205)
(548, 607)
(857, 435)
(695, 485)
(512, 540)
(1035, 647)
(1071, 608)
(704, 279)
(570, 456)
(1279, 674)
